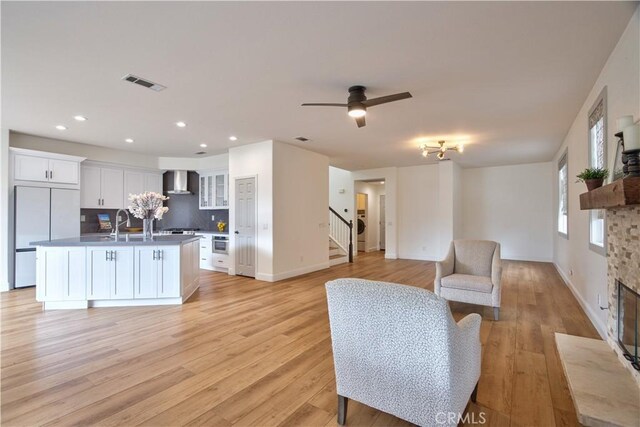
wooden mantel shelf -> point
(620, 193)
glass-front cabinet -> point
(214, 190)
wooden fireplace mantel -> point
(620, 193)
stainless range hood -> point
(179, 183)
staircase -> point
(340, 239)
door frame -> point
(382, 235)
(232, 241)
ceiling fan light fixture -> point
(460, 148)
(357, 111)
(440, 155)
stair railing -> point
(341, 232)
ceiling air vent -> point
(143, 82)
(302, 139)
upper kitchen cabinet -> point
(214, 190)
(102, 188)
(141, 182)
(42, 167)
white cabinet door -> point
(205, 252)
(169, 271)
(112, 188)
(206, 191)
(63, 171)
(133, 184)
(146, 272)
(153, 182)
(100, 273)
(90, 197)
(61, 274)
(122, 283)
(29, 168)
(221, 190)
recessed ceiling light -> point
(61, 127)
(233, 138)
(203, 145)
(129, 140)
(80, 118)
(181, 124)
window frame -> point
(601, 99)
(563, 162)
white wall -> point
(583, 269)
(340, 179)
(300, 211)
(91, 152)
(4, 210)
(210, 163)
(418, 212)
(511, 205)
(255, 160)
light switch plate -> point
(83, 218)
(213, 217)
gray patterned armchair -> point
(398, 349)
(471, 273)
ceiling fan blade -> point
(360, 121)
(323, 105)
(389, 98)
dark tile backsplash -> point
(90, 224)
(183, 211)
(183, 208)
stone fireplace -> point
(623, 264)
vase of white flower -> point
(147, 207)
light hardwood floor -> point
(243, 352)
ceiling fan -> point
(357, 103)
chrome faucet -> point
(128, 221)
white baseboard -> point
(134, 302)
(527, 258)
(390, 255)
(601, 328)
(292, 273)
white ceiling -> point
(508, 78)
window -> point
(563, 195)
(598, 159)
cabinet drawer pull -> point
(50, 174)
(160, 254)
(154, 255)
(203, 259)
(46, 174)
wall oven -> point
(220, 244)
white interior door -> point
(245, 241)
(383, 222)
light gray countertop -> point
(106, 240)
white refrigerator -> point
(41, 214)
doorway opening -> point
(370, 224)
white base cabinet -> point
(109, 273)
(101, 276)
(157, 272)
(60, 273)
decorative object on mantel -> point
(221, 225)
(629, 140)
(620, 193)
(147, 207)
(426, 149)
(593, 177)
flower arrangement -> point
(221, 225)
(147, 205)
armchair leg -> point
(496, 313)
(474, 394)
(342, 409)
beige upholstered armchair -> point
(471, 273)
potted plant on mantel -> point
(593, 177)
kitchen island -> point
(100, 271)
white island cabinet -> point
(101, 272)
